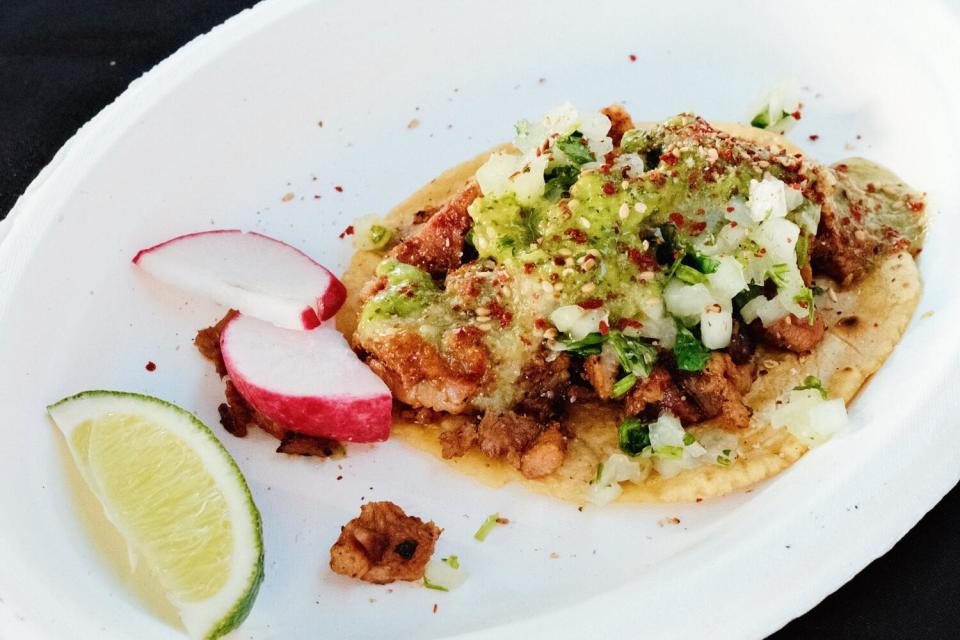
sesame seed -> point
(547, 287)
(832, 294)
(589, 264)
(484, 327)
(588, 288)
(584, 223)
(624, 211)
(625, 185)
(639, 207)
(550, 333)
(565, 252)
(483, 311)
(770, 364)
(568, 272)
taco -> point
(604, 310)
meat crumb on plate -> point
(384, 544)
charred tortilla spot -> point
(849, 322)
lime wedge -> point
(176, 496)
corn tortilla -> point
(865, 322)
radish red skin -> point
(331, 301)
(338, 417)
(358, 417)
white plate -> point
(218, 134)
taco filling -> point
(648, 278)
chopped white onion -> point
(663, 330)
(727, 281)
(528, 184)
(779, 237)
(666, 432)
(442, 574)
(771, 311)
(523, 174)
(716, 327)
(767, 199)
(632, 162)
(778, 105)
(794, 197)
(809, 417)
(493, 176)
(720, 446)
(808, 217)
(616, 469)
(687, 301)
(670, 454)
(578, 322)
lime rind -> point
(218, 615)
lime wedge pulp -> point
(176, 496)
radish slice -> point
(259, 276)
(308, 381)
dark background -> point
(62, 62)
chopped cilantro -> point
(690, 353)
(705, 263)
(812, 382)
(623, 385)
(488, 525)
(677, 263)
(596, 478)
(636, 356)
(688, 439)
(817, 290)
(578, 152)
(633, 436)
(589, 345)
(778, 274)
(803, 250)
(762, 119)
(430, 585)
(669, 451)
(689, 275)
(559, 179)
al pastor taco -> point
(604, 310)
